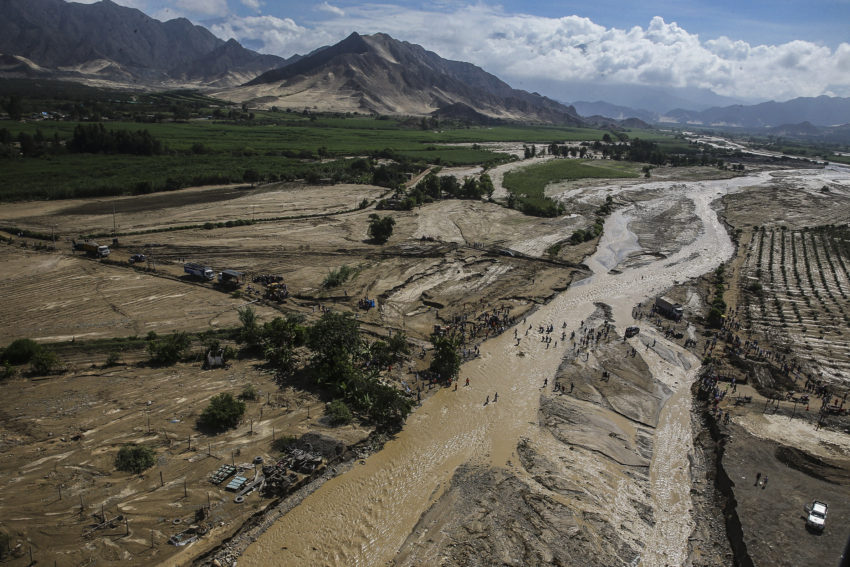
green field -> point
(275, 145)
(531, 181)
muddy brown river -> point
(363, 517)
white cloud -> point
(279, 36)
(336, 11)
(252, 4)
(526, 48)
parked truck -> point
(199, 271)
(231, 278)
(91, 248)
(668, 308)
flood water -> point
(364, 516)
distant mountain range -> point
(108, 42)
(818, 113)
(105, 43)
(378, 74)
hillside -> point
(108, 42)
(378, 74)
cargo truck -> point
(668, 308)
(92, 248)
(199, 271)
(231, 278)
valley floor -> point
(596, 452)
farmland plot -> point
(797, 284)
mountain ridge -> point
(381, 75)
(109, 42)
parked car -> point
(816, 516)
(137, 258)
(632, 331)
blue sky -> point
(746, 50)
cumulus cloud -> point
(278, 36)
(574, 49)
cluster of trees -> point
(26, 351)
(434, 187)
(343, 363)
(95, 139)
(536, 207)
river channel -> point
(363, 517)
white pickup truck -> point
(816, 516)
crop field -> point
(797, 284)
(273, 146)
(532, 181)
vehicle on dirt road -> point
(91, 248)
(136, 258)
(632, 331)
(816, 516)
(199, 271)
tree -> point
(250, 333)
(14, 107)
(251, 176)
(380, 228)
(223, 412)
(338, 413)
(280, 337)
(135, 458)
(485, 185)
(334, 340)
(44, 361)
(20, 351)
(446, 362)
(169, 349)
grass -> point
(531, 181)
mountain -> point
(105, 41)
(614, 111)
(819, 111)
(378, 74)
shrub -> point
(224, 412)
(21, 351)
(135, 458)
(7, 371)
(170, 349)
(44, 361)
(336, 278)
(338, 413)
(113, 358)
(248, 393)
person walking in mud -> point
(495, 397)
(764, 482)
(467, 382)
